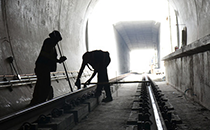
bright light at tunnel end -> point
(141, 60)
(108, 12)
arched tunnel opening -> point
(143, 37)
(133, 30)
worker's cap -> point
(56, 34)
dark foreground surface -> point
(114, 115)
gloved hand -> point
(62, 59)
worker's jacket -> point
(97, 59)
(48, 55)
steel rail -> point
(160, 124)
(31, 114)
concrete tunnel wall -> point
(187, 69)
(25, 24)
(23, 27)
(123, 51)
(194, 15)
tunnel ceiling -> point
(139, 34)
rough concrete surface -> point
(191, 72)
(193, 115)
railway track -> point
(31, 114)
(150, 110)
(34, 118)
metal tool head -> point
(78, 84)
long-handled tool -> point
(116, 82)
(65, 69)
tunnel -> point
(172, 35)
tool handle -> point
(65, 69)
(118, 82)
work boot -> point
(107, 99)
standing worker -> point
(99, 60)
(46, 63)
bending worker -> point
(98, 60)
(46, 63)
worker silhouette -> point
(98, 60)
(46, 63)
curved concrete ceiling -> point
(139, 34)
